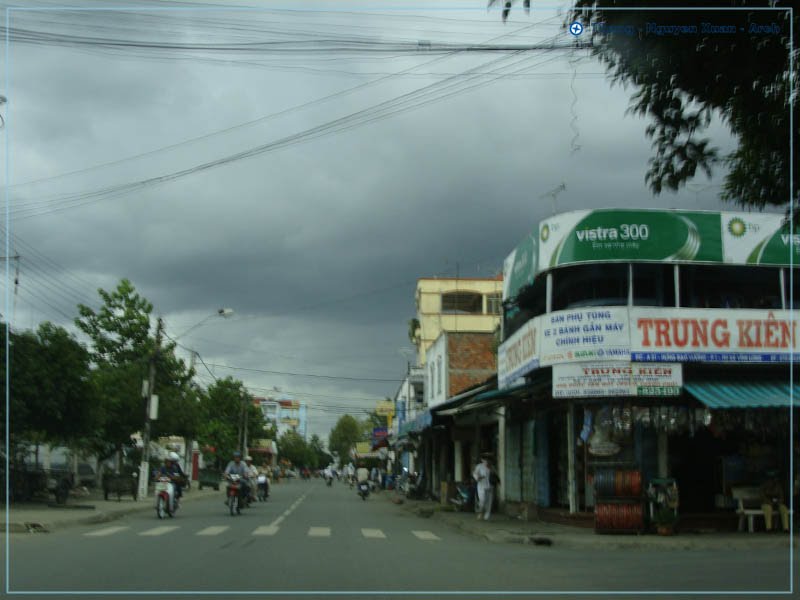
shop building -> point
(647, 344)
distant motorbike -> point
(363, 490)
(235, 496)
(263, 488)
(330, 481)
(166, 502)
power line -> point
(305, 374)
(258, 120)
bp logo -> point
(545, 232)
(737, 227)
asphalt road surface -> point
(311, 538)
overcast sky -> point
(316, 244)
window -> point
(653, 285)
(439, 373)
(530, 302)
(590, 285)
(494, 304)
(730, 287)
(468, 303)
(432, 382)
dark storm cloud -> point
(316, 246)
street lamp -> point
(147, 391)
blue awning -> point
(744, 393)
(422, 421)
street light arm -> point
(222, 312)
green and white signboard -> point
(605, 235)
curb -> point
(98, 517)
(678, 542)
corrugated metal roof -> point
(741, 393)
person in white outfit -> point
(483, 476)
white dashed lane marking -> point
(214, 530)
(106, 531)
(159, 530)
(373, 533)
(319, 532)
(426, 535)
(266, 530)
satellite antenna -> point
(554, 193)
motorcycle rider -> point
(362, 473)
(252, 475)
(173, 470)
(237, 467)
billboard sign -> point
(604, 379)
(584, 334)
(520, 267)
(712, 335)
(384, 408)
(519, 354)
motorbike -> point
(466, 498)
(236, 501)
(263, 488)
(363, 490)
(166, 502)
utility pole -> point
(144, 470)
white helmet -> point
(248, 457)
(173, 456)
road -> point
(309, 537)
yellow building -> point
(455, 304)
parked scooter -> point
(363, 490)
(466, 497)
(166, 502)
(263, 488)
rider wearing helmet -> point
(237, 467)
(173, 470)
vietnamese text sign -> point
(580, 380)
(712, 335)
(584, 334)
(519, 354)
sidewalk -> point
(504, 529)
(84, 509)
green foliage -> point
(344, 436)
(120, 329)
(321, 457)
(220, 417)
(682, 83)
(372, 421)
(292, 447)
(52, 399)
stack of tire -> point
(619, 505)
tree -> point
(321, 456)
(680, 82)
(51, 399)
(293, 448)
(372, 421)
(220, 417)
(344, 435)
(121, 349)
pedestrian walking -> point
(486, 480)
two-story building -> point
(643, 344)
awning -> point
(451, 406)
(744, 393)
(494, 397)
(422, 421)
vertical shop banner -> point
(519, 354)
(712, 335)
(585, 334)
(519, 268)
(604, 379)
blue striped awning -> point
(741, 393)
